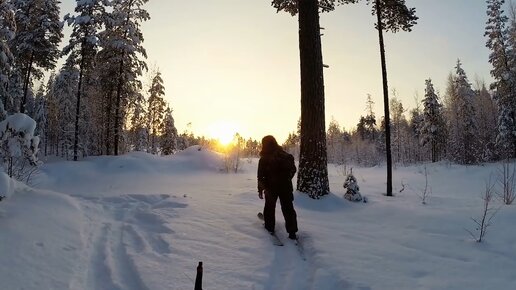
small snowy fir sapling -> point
(352, 188)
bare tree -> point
(426, 190)
(506, 179)
(488, 212)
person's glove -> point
(260, 194)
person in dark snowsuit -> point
(276, 169)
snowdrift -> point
(40, 238)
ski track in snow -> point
(128, 228)
(121, 228)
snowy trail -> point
(148, 231)
(126, 234)
(143, 222)
(120, 230)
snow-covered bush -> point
(18, 145)
(352, 188)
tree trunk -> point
(78, 106)
(385, 100)
(118, 104)
(312, 177)
(26, 84)
(108, 121)
(119, 90)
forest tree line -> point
(95, 103)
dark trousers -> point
(287, 207)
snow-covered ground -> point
(143, 222)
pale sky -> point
(237, 61)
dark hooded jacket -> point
(276, 169)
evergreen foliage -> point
(432, 128)
(36, 43)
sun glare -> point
(224, 132)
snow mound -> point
(40, 240)
(198, 158)
(7, 185)
(20, 123)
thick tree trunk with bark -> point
(385, 100)
(313, 168)
(26, 83)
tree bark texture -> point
(385, 99)
(313, 168)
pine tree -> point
(82, 48)
(7, 32)
(399, 126)
(52, 112)
(40, 112)
(498, 41)
(139, 133)
(39, 32)
(487, 123)
(392, 15)
(122, 41)
(415, 124)
(169, 137)
(433, 129)
(463, 144)
(312, 177)
(155, 111)
(64, 92)
(333, 138)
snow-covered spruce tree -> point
(415, 153)
(399, 128)
(352, 188)
(18, 146)
(365, 149)
(35, 46)
(64, 91)
(504, 85)
(138, 132)
(51, 110)
(487, 123)
(7, 31)
(333, 137)
(122, 41)
(462, 123)
(312, 177)
(82, 48)
(433, 126)
(168, 138)
(155, 111)
(104, 98)
(392, 15)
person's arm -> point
(292, 169)
(261, 178)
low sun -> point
(224, 132)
